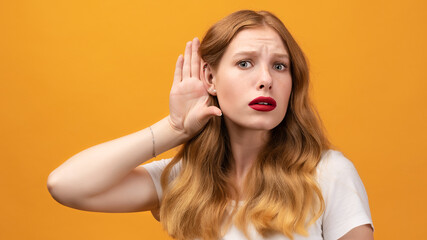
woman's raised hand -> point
(189, 110)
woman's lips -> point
(263, 104)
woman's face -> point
(253, 80)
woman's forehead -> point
(252, 40)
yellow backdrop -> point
(77, 73)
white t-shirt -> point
(346, 201)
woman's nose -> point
(265, 79)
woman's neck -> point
(245, 146)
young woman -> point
(254, 163)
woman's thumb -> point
(209, 112)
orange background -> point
(77, 73)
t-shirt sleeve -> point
(155, 169)
(346, 200)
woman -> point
(255, 162)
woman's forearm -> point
(100, 167)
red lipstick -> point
(263, 104)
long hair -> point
(283, 194)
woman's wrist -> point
(165, 136)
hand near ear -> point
(188, 100)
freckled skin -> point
(263, 73)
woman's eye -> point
(280, 66)
(244, 64)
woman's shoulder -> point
(346, 200)
(334, 160)
(155, 169)
(157, 166)
(334, 164)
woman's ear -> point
(208, 79)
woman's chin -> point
(254, 125)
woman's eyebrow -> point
(254, 53)
(281, 55)
(245, 52)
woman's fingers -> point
(195, 59)
(191, 65)
(186, 70)
(178, 70)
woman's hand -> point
(188, 107)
